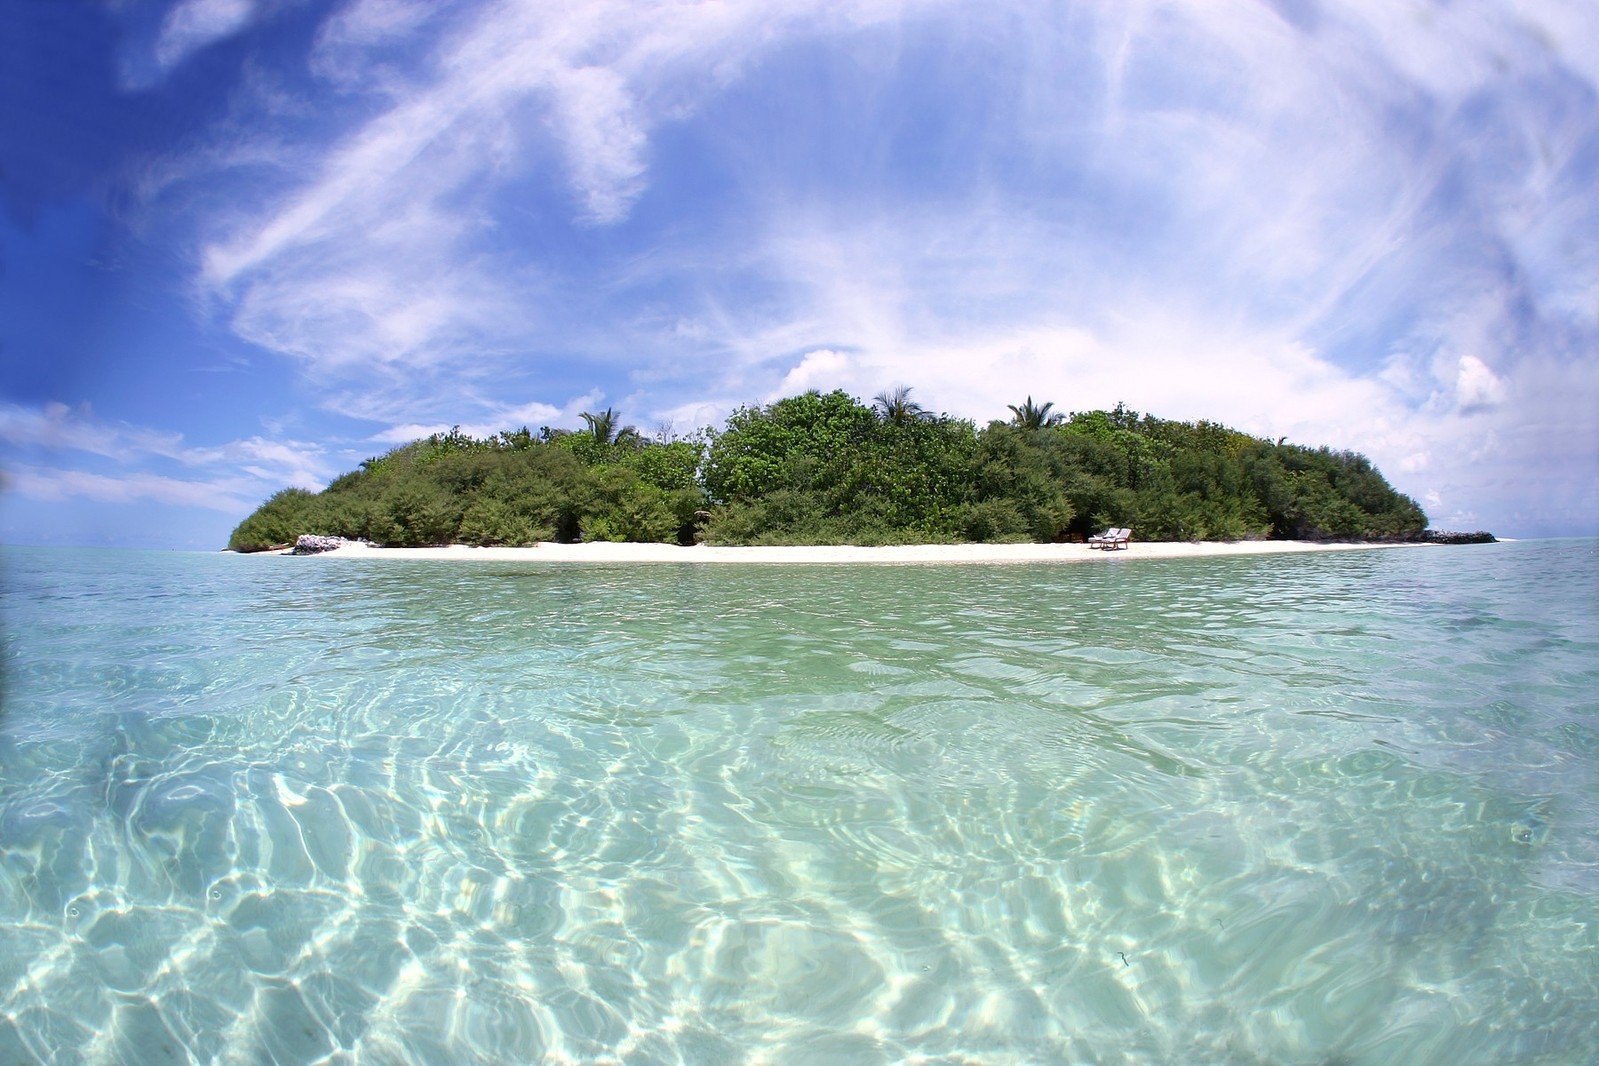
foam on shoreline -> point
(607, 552)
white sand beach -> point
(607, 552)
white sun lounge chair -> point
(1111, 539)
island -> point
(829, 469)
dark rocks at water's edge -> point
(1438, 536)
(305, 544)
(311, 544)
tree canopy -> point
(825, 468)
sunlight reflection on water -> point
(1274, 809)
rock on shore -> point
(311, 544)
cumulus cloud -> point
(820, 369)
(1477, 387)
(492, 421)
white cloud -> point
(1178, 360)
(688, 417)
(497, 420)
(55, 428)
(228, 495)
(603, 139)
(195, 24)
(1477, 387)
(367, 46)
(300, 464)
(821, 369)
(382, 257)
(364, 24)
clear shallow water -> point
(1297, 809)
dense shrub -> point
(283, 517)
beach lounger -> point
(1111, 539)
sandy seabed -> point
(606, 552)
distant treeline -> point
(829, 469)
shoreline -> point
(612, 552)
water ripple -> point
(1331, 808)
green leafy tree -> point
(489, 521)
(798, 443)
(672, 466)
(905, 481)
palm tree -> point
(1033, 416)
(896, 407)
(604, 428)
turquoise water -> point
(1330, 808)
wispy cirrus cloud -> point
(55, 430)
(58, 427)
(156, 43)
(195, 24)
(229, 495)
(387, 255)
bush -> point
(624, 507)
(490, 522)
(282, 518)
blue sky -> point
(245, 244)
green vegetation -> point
(827, 469)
